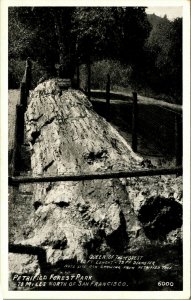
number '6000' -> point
(165, 283)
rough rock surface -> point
(73, 219)
(21, 265)
(157, 202)
(67, 136)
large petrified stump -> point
(73, 219)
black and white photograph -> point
(97, 204)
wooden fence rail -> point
(31, 250)
(107, 175)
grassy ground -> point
(13, 101)
(156, 128)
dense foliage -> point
(164, 50)
(144, 51)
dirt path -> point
(13, 100)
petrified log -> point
(67, 136)
(73, 219)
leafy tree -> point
(96, 32)
(111, 32)
(175, 58)
(20, 37)
(135, 29)
(164, 46)
(116, 33)
(99, 32)
(21, 40)
(50, 32)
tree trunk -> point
(66, 66)
(60, 34)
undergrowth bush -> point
(119, 75)
(123, 80)
(16, 71)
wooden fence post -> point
(78, 75)
(178, 139)
(20, 110)
(134, 122)
(19, 124)
(25, 84)
(23, 94)
(108, 97)
(89, 80)
(19, 137)
(28, 75)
